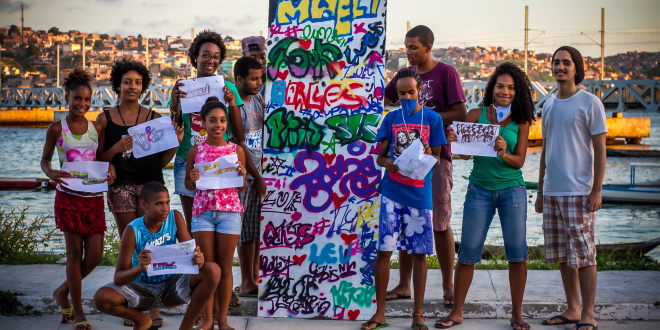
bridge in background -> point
(620, 95)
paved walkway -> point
(106, 322)
(621, 295)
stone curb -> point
(431, 308)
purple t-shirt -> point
(441, 87)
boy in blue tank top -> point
(133, 291)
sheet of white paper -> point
(172, 259)
(219, 174)
(199, 89)
(153, 137)
(474, 139)
(88, 176)
(414, 163)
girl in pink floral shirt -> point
(216, 222)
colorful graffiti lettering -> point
(349, 129)
(296, 56)
(164, 265)
(342, 12)
(287, 132)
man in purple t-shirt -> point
(442, 92)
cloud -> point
(247, 19)
(152, 4)
(74, 8)
(9, 6)
(109, 1)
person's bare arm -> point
(457, 112)
(52, 134)
(471, 117)
(241, 168)
(182, 234)
(167, 155)
(385, 161)
(238, 131)
(517, 160)
(594, 200)
(538, 205)
(192, 175)
(125, 272)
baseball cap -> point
(253, 43)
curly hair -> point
(202, 38)
(124, 65)
(79, 77)
(522, 107)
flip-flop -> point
(578, 325)
(67, 314)
(419, 325)
(378, 325)
(450, 305)
(126, 324)
(398, 296)
(154, 327)
(237, 288)
(440, 326)
(234, 296)
(563, 321)
(519, 324)
(85, 323)
(253, 293)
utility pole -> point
(83, 52)
(407, 26)
(526, 31)
(192, 37)
(261, 33)
(602, 43)
(22, 27)
(146, 47)
(58, 65)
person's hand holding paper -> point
(414, 162)
(181, 258)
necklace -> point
(421, 125)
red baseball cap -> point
(253, 43)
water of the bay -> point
(20, 153)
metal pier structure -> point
(619, 95)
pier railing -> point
(620, 95)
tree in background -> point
(170, 73)
(105, 36)
(54, 30)
(98, 45)
(13, 29)
(228, 38)
(120, 45)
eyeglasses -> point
(206, 57)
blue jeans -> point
(180, 178)
(479, 210)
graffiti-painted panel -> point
(324, 104)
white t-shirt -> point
(567, 127)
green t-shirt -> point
(493, 173)
(193, 131)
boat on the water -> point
(632, 153)
(621, 248)
(632, 193)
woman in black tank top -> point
(130, 79)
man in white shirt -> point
(570, 181)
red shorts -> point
(442, 182)
(82, 215)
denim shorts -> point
(180, 178)
(478, 212)
(220, 221)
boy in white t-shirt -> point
(570, 183)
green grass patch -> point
(10, 305)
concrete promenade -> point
(621, 295)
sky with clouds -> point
(629, 24)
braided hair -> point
(211, 103)
(407, 73)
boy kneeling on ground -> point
(132, 291)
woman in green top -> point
(206, 53)
(496, 183)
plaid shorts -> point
(569, 231)
(251, 215)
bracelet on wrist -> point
(539, 192)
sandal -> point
(126, 324)
(448, 299)
(520, 325)
(85, 323)
(254, 293)
(378, 325)
(419, 326)
(67, 314)
(578, 325)
(440, 326)
(154, 327)
(398, 296)
(563, 321)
